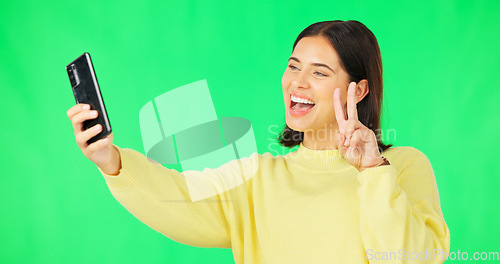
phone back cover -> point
(87, 91)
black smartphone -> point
(86, 90)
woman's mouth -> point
(300, 106)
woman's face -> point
(313, 73)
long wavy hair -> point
(360, 57)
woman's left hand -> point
(356, 142)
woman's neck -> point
(320, 139)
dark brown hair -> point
(359, 56)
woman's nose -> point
(300, 82)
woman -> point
(341, 197)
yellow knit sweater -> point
(308, 206)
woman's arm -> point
(160, 198)
(400, 211)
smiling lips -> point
(300, 104)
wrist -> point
(383, 161)
(113, 166)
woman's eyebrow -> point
(314, 64)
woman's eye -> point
(292, 67)
(320, 74)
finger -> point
(83, 137)
(352, 112)
(339, 110)
(373, 151)
(353, 155)
(350, 126)
(77, 109)
(356, 143)
(99, 144)
(356, 138)
(79, 118)
(353, 149)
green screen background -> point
(440, 72)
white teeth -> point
(301, 100)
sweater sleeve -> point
(161, 198)
(400, 214)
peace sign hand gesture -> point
(356, 142)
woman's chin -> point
(297, 125)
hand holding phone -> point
(89, 118)
(86, 91)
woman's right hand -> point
(102, 152)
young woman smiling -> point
(342, 197)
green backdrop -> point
(441, 67)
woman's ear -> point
(362, 90)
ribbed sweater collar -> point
(326, 159)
